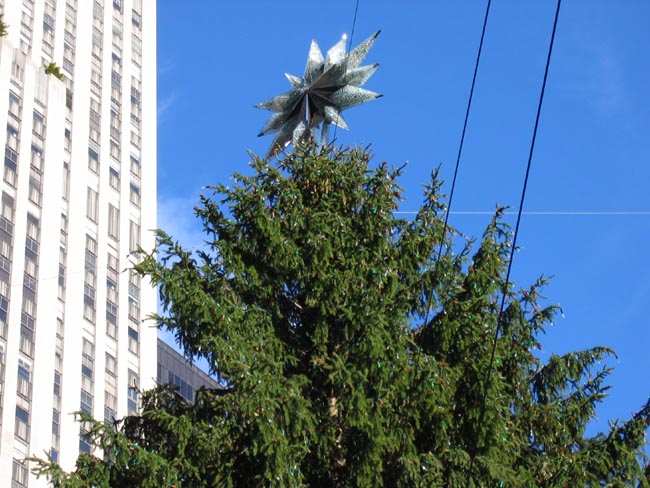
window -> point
(4, 309)
(19, 474)
(135, 282)
(136, 140)
(89, 290)
(136, 91)
(96, 77)
(95, 110)
(5, 264)
(11, 166)
(92, 204)
(5, 249)
(115, 150)
(48, 18)
(134, 310)
(111, 292)
(12, 138)
(30, 269)
(98, 10)
(68, 99)
(31, 241)
(114, 178)
(134, 385)
(32, 227)
(59, 330)
(134, 341)
(38, 128)
(90, 279)
(93, 134)
(110, 407)
(56, 426)
(66, 181)
(7, 213)
(111, 320)
(68, 57)
(134, 236)
(14, 106)
(2, 367)
(35, 186)
(29, 306)
(71, 14)
(112, 265)
(18, 67)
(86, 402)
(93, 160)
(87, 360)
(48, 35)
(57, 384)
(68, 139)
(37, 158)
(24, 385)
(91, 252)
(89, 312)
(116, 88)
(5, 255)
(113, 222)
(22, 424)
(116, 62)
(84, 442)
(134, 194)
(136, 115)
(58, 360)
(135, 165)
(26, 339)
(111, 365)
(136, 20)
(136, 46)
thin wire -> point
(354, 23)
(504, 292)
(462, 137)
(539, 212)
(460, 150)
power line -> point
(460, 150)
(488, 375)
(540, 212)
(462, 136)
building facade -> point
(78, 104)
(174, 369)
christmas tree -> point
(355, 348)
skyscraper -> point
(78, 101)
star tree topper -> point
(328, 86)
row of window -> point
(12, 147)
(56, 408)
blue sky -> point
(217, 59)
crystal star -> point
(328, 86)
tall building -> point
(78, 195)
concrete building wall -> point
(78, 194)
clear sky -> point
(216, 59)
